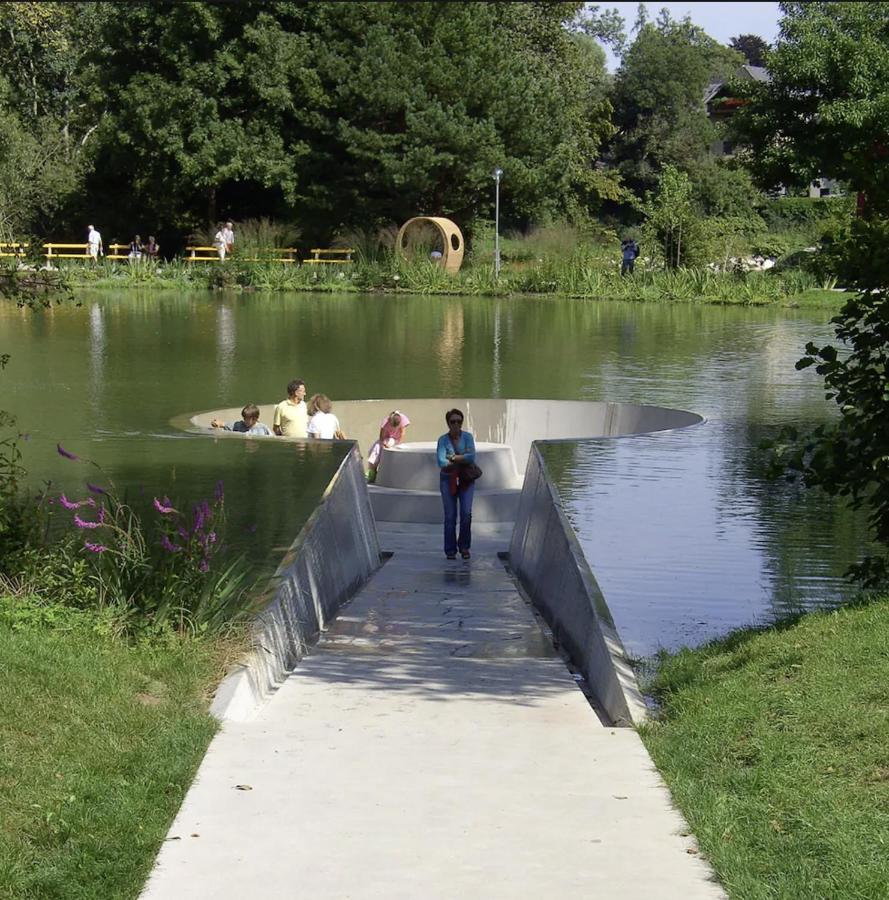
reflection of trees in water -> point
(449, 351)
(807, 539)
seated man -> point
(249, 423)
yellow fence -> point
(62, 251)
(286, 255)
(329, 256)
(12, 248)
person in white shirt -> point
(323, 423)
(219, 242)
(228, 237)
(94, 243)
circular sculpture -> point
(451, 240)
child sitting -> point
(323, 423)
(392, 430)
(249, 423)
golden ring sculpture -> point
(451, 238)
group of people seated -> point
(150, 250)
(293, 417)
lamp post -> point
(497, 173)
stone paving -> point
(433, 745)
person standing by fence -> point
(94, 244)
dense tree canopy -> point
(827, 111)
(752, 47)
(352, 113)
(658, 99)
(49, 108)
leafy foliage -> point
(658, 99)
(826, 110)
(752, 47)
(350, 114)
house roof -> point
(744, 73)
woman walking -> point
(455, 451)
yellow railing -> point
(118, 251)
(12, 248)
(52, 251)
(322, 256)
(286, 255)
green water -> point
(682, 532)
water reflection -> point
(226, 340)
(97, 357)
(686, 537)
(449, 351)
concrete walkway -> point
(432, 746)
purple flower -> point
(211, 537)
(169, 546)
(82, 523)
(95, 488)
(163, 506)
(95, 548)
(219, 493)
(204, 566)
(66, 453)
(70, 504)
(201, 515)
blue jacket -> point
(465, 446)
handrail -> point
(85, 254)
(13, 248)
(286, 255)
(317, 259)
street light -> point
(497, 173)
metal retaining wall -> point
(334, 554)
(548, 560)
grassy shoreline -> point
(775, 746)
(567, 278)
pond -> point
(683, 533)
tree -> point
(671, 219)
(826, 110)
(344, 114)
(752, 47)
(658, 99)
(49, 107)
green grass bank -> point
(99, 741)
(573, 276)
(775, 745)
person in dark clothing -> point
(629, 250)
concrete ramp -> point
(432, 745)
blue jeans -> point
(464, 496)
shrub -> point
(165, 568)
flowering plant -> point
(165, 565)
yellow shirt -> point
(293, 418)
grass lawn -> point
(99, 742)
(775, 745)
